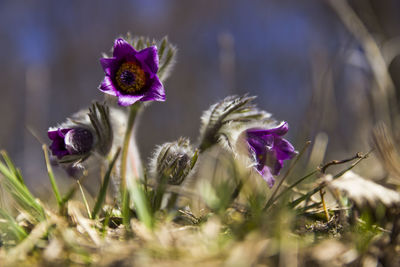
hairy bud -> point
(173, 161)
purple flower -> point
(70, 141)
(132, 75)
(269, 150)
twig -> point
(323, 184)
(336, 162)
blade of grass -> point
(295, 184)
(142, 204)
(12, 224)
(104, 186)
(21, 194)
(69, 195)
(84, 199)
(11, 167)
(51, 177)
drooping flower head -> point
(132, 75)
(269, 150)
(70, 141)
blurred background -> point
(329, 68)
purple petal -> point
(284, 150)
(156, 91)
(57, 134)
(127, 100)
(277, 166)
(280, 130)
(57, 147)
(259, 158)
(107, 86)
(110, 65)
(267, 176)
(122, 49)
(149, 57)
(52, 134)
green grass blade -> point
(51, 177)
(142, 204)
(21, 193)
(16, 230)
(103, 190)
(11, 166)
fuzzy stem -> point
(133, 111)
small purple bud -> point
(70, 141)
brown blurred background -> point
(305, 65)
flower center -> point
(130, 77)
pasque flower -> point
(132, 75)
(269, 150)
(70, 141)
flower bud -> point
(85, 132)
(70, 141)
(219, 120)
(173, 161)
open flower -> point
(132, 75)
(70, 141)
(269, 150)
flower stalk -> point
(133, 111)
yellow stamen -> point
(130, 78)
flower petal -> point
(149, 57)
(127, 100)
(110, 65)
(52, 134)
(156, 91)
(280, 130)
(122, 49)
(267, 176)
(284, 150)
(107, 86)
(277, 166)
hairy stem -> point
(133, 110)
